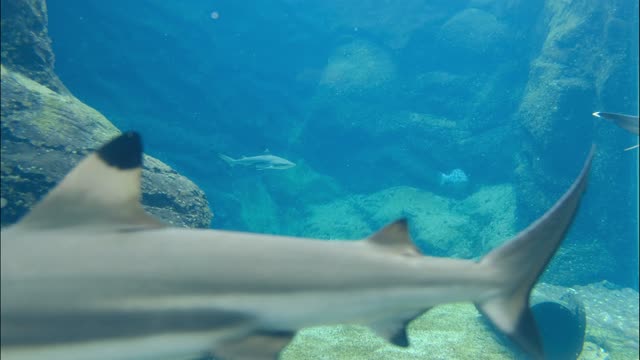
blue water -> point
(368, 96)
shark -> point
(88, 274)
(260, 162)
(629, 123)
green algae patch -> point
(439, 225)
(45, 133)
(35, 113)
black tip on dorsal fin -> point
(103, 189)
(123, 152)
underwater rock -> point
(358, 69)
(580, 68)
(438, 334)
(577, 263)
(562, 323)
(26, 46)
(440, 226)
(44, 134)
(611, 314)
(559, 92)
(473, 33)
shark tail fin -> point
(228, 159)
(519, 262)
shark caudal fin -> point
(102, 190)
(228, 159)
(519, 262)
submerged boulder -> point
(441, 226)
(26, 46)
(583, 66)
(358, 68)
(45, 133)
(473, 33)
(46, 130)
(458, 331)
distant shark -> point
(627, 122)
(260, 162)
(87, 274)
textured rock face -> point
(373, 95)
(612, 318)
(575, 64)
(579, 69)
(473, 32)
(358, 68)
(46, 130)
(440, 226)
(26, 46)
(457, 331)
(44, 134)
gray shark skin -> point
(260, 162)
(87, 274)
(627, 122)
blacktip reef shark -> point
(88, 274)
(627, 122)
(260, 162)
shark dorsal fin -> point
(395, 237)
(102, 190)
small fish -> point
(456, 176)
(88, 274)
(627, 122)
(260, 162)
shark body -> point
(627, 122)
(87, 274)
(260, 162)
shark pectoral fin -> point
(259, 345)
(104, 188)
(394, 237)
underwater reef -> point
(586, 55)
(397, 96)
(26, 46)
(440, 225)
(372, 96)
(611, 332)
(46, 130)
